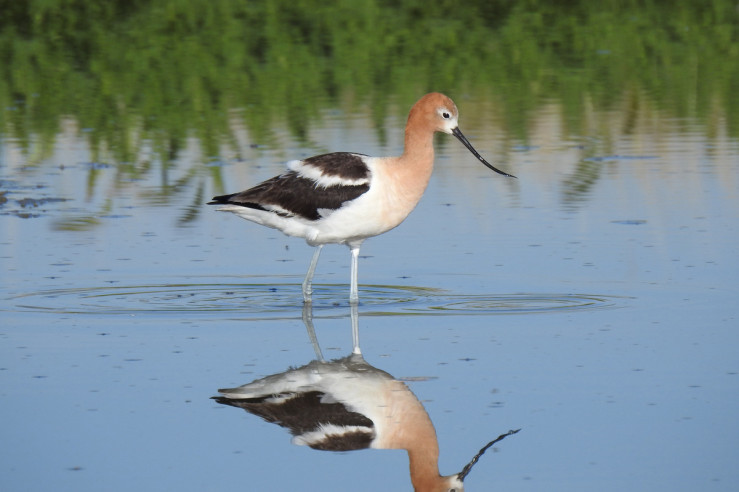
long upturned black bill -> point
(458, 133)
(466, 470)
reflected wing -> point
(313, 419)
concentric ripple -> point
(283, 300)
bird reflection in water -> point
(347, 404)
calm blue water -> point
(591, 303)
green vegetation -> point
(161, 70)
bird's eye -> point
(446, 115)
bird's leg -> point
(308, 281)
(354, 313)
(308, 322)
(354, 289)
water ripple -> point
(275, 300)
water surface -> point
(590, 302)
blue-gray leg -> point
(354, 289)
(308, 281)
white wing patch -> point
(318, 175)
(277, 209)
(327, 430)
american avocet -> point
(347, 404)
(345, 198)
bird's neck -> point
(425, 468)
(409, 427)
(419, 145)
(417, 162)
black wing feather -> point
(306, 412)
(300, 196)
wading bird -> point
(345, 198)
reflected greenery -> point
(132, 73)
